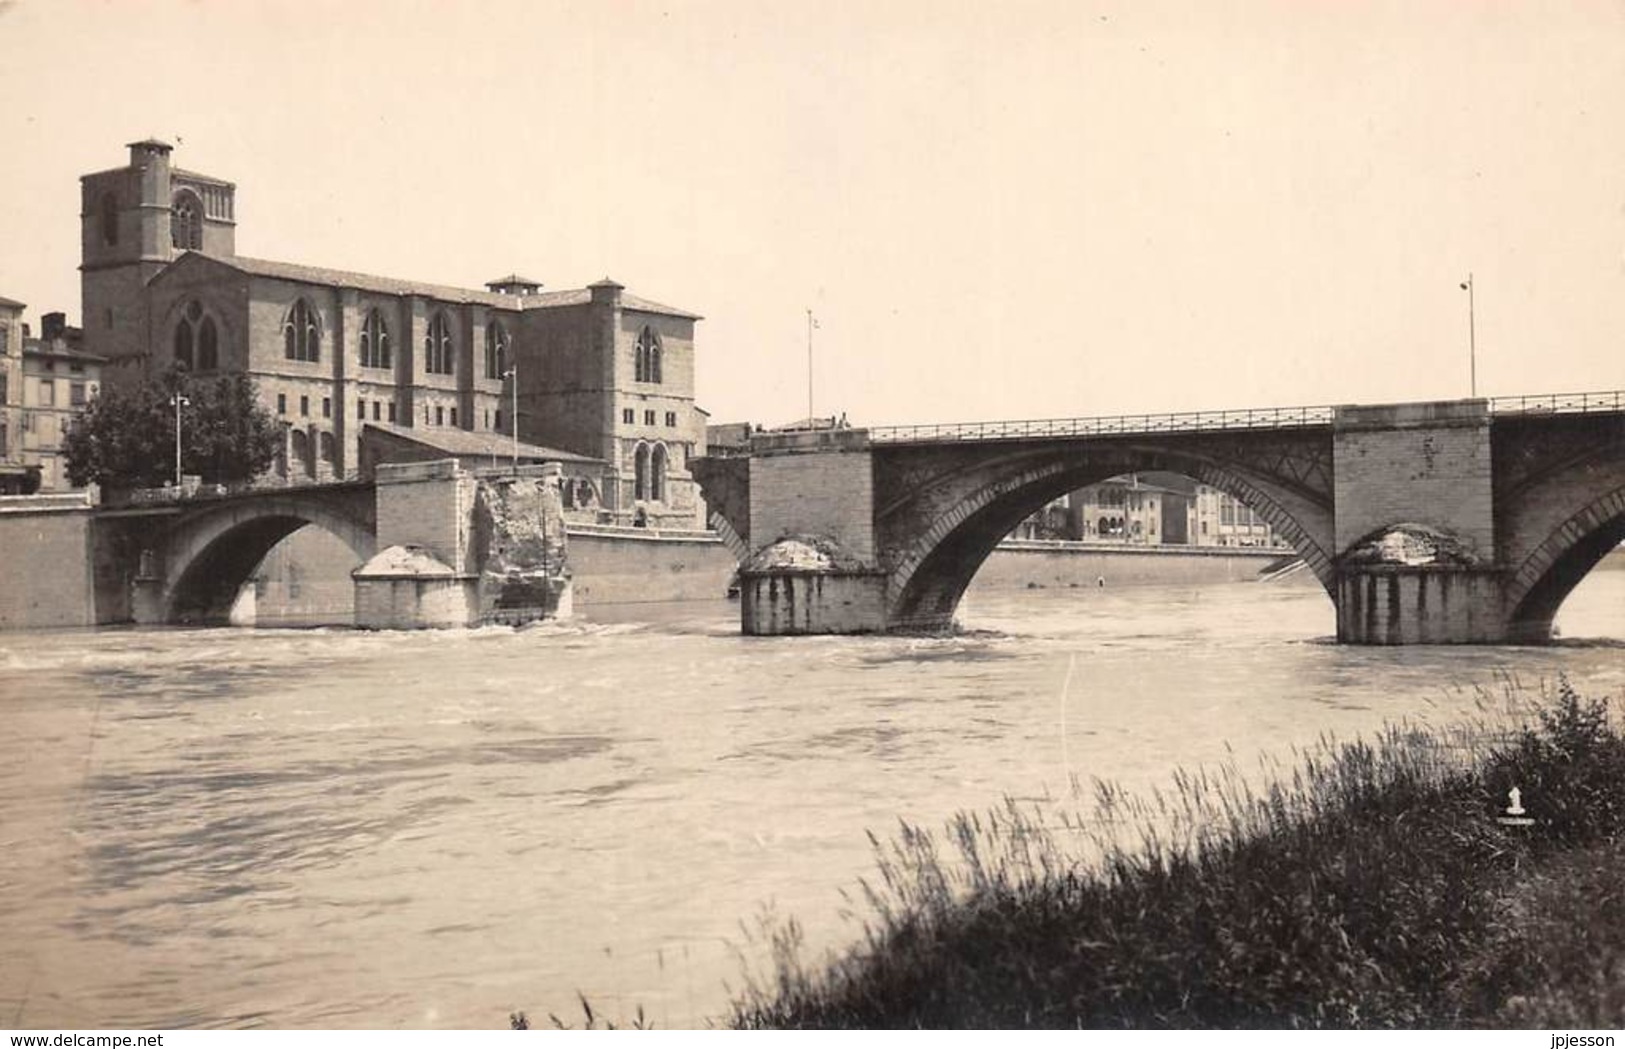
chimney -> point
(606, 292)
(514, 284)
(148, 150)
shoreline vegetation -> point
(1379, 884)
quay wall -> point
(1024, 564)
(46, 562)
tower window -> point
(628, 416)
(649, 417)
(374, 341)
(671, 419)
(437, 358)
(327, 407)
(496, 350)
(301, 338)
(647, 365)
(439, 415)
(186, 221)
(282, 404)
(107, 218)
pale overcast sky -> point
(1006, 210)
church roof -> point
(198, 176)
(477, 443)
(444, 292)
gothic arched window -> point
(301, 338)
(647, 365)
(197, 339)
(374, 341)
(186, 221)
(640, 473)
(657, 474)
(496, 350)
(183, 344)
(208, 346)
(301, 454)
(437, 357)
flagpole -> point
(1472, 339)
(809, 368)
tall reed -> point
(1371, 884)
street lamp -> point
(512, 375)
(179, 402)
(1472, 347)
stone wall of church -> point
(563, 386)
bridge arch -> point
(210, 557)
(936, 566)
(1557, 565)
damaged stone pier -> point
(461, 547)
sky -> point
(994, 210)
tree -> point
(126, 438)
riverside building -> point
(604, 376)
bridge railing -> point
(1559, 403)
(1165, 422)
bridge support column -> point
(1415, 525)
(812, 527)
(1420, 605)
(822, 600)
(456, 548)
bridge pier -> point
(456, 548)
(1420, 605)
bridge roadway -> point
(1434, 522)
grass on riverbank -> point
(1374, 888)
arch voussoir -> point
(1536, 572)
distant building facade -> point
(16, 478)
(45, 383)
(601, 374)
(1155, 509)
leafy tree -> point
(126, 438)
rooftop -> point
(483, 444)
(61, 349)
(444, 292)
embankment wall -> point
(1020, 564)
(45, 562)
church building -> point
(602, 374)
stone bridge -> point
(434, 544)
(1436, 522)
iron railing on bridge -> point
(1092, 426)
(1555, 403)
(1188, 422)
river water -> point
(331, 829)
